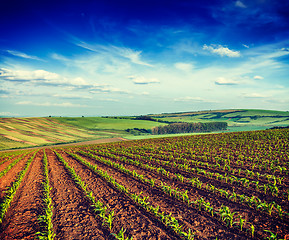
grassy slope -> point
(238, 120)
(25, 132)
(108, 124)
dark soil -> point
(21, 220)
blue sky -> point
(98, 58)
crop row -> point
(166, 219)
(219, 164)
(272, 187)
(99, 208)
(11, 165)
(11, 191)
(249, 150)
(238, 182)
(46, 219)
(252, 201)
(224, 212)
(6, 157)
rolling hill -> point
(29, 132)
(238, 120)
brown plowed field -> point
(137, 223)
(5, 162)
(206, 226)
(134, 178)
(73, 218)
(10, 176)
(201, 224)
(21, 221)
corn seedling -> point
(272, 236)
(241, 222)
(99, 208)
(11, 191)
(120, 235)
(252, 230)
(46, 219)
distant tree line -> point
(190, 127)
(138, 131)
(278, 127)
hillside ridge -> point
(43, 131)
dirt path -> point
(21, 220)
(138, 223)
(73, 218)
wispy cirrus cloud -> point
(22, 55)
(109, 100)
(101, 89)
(133, 55)
(71, 96)
(49, 104)
(222, 51)
(8, 114)
(192, 99)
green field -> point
(29, 132)
(108, 123)
(238, 120)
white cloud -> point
(187, 67)
(246, 46)
(254, 95)
(240, 4)
(191, 99)
(222, 51)
(22, 55)
(71, 96)
(226, 81)
(109, 100)
(101, 89)
(258, 77)
(143, 80)
(40, 76)
(12, 75)
(48, 104)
